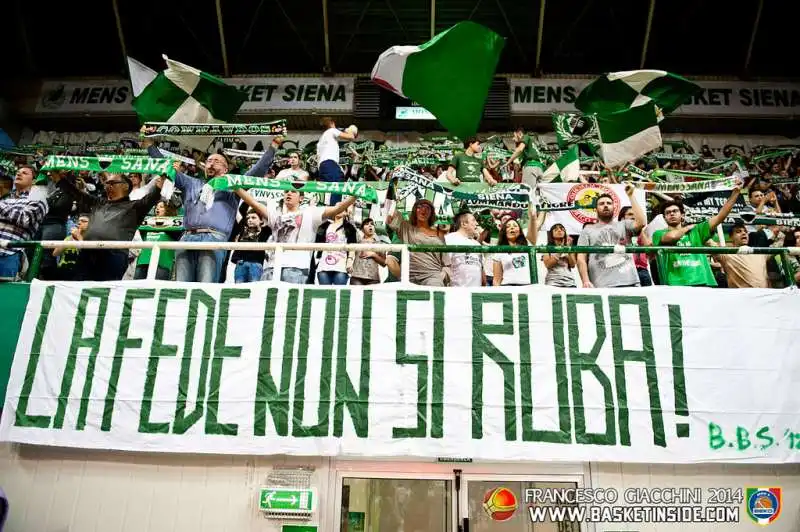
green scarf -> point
(410, 186)
(791, 221)
(710, 185)
(681, 175)
(350, 188)
(161, 129)
(114, 165)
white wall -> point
(72, 490)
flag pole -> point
(753, 36)
(326, 36)
(121, 35)
(433, 18)
(222, 40)
(647, 32)
(539, 38)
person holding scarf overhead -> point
(328, 153)
(208, 224)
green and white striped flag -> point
(627, 135)
(620, 91)
(566, 168)
(182, 95)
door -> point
(496, 503)
(395, 503)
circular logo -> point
(764, 505)
(499, 504)
(585, 196)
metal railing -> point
(403, 249)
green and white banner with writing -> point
(660, 375)
(572, 204)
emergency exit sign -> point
(286, 500)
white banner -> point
(264, 95)
(533, 96)
(563, 195)
(281, 95)
(666, 374)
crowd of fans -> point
(123, 207)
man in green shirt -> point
(467, 167)
(686, 269)
(528, 155)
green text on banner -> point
(529, 373)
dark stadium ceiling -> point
(691, 37)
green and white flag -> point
(620, 91)
(565, 168)
(182, 95)
(627, 135)
(450, 75)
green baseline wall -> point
(13, 301)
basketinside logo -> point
(585, 196)
(500, 504)
(763, 504)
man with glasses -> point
(688, 269)
(208, 221)
(114, 217)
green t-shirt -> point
(167, 256)
(469, 169)
(529, 154)
(681, 269)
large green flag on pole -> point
(450, 75)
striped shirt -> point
(20, 216)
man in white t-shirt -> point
(328, 153)
(467, 268)
(294, 172)
(290, 224)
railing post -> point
(533, 267)
(277, 264)
(788, 269)
(152, 267)
(36, 263)
(405, 265)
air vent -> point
(498, 106)
(367, 99)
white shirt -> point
(515, 268)
(334, 261)
(328, 146)
(287, 174)
(298, 226)
(466, 268)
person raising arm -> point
(675, 233)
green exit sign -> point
(286, 500)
